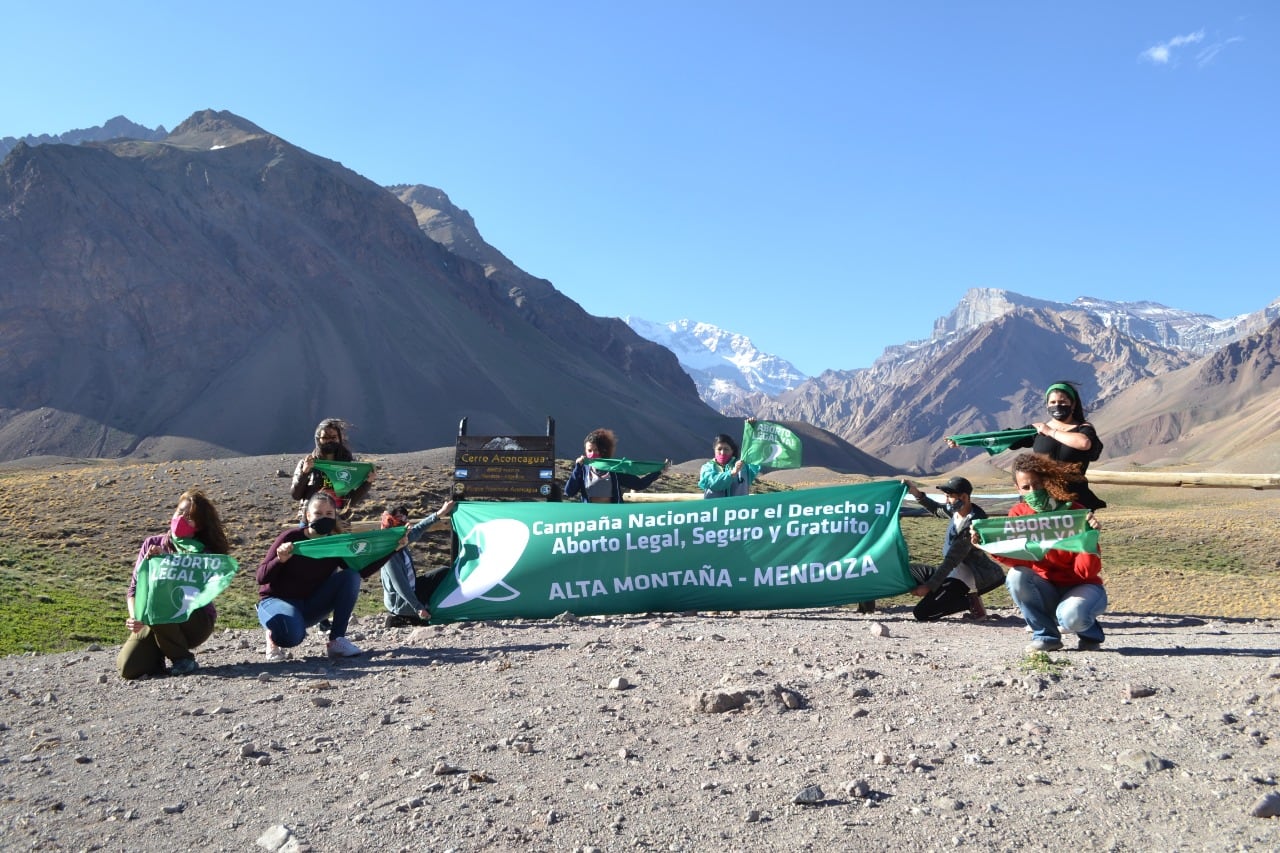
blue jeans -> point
(1047, 606)
(289, 618)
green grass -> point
(1042, 663)
(63, 590)
(53, 600)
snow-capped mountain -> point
(731, 374)
(1149, 322)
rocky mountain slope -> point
(919, 391)
(116, 128)
(989, 377)
(221, 290)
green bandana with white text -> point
(770, 445)
(172, 586)
(1027, 537)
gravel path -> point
(796, 730)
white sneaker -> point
(275, 654)
(343, 648)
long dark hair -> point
(208, 523)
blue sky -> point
(827, 178)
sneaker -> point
(184, 666)
(344, 648)
(1050, 645)
(1086, 645)
(275, 654)
(323, 626)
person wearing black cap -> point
(965, 572)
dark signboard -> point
(514, 467)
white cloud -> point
(1206, 55)
(1161, 54)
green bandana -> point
(1028, 537)
(1064, 388)
(994, 442)
(357, 550)
(172, 586)
(343, 477)
(186, 546)
(767, 444)
(1039, 500)
(626, 466)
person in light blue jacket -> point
(726, 475)
(404, 594)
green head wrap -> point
(1062, 386)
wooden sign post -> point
(505, 467)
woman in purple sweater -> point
(195, 526)
(296, 592)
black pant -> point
(428, 583)
(951, 597)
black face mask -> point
(953, 506)
(1060, 413)
(330, 448)
(323, 525)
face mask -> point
(952, 507)
(1060, 413)
(323, 525)
(181, 527)
(592, 454)
(722, 458)
(329, 448)
(1039, 500)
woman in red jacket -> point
(1062, 591)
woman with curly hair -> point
(588, 485)
(1063, 590)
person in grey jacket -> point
(404, 594)
(966, 572)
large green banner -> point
(806, 548)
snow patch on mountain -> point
(727, 368)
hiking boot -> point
(341, 647)
(184, 666)
(867, 606)
(1084, 644)
(1051, 644)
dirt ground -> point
(805, 730)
